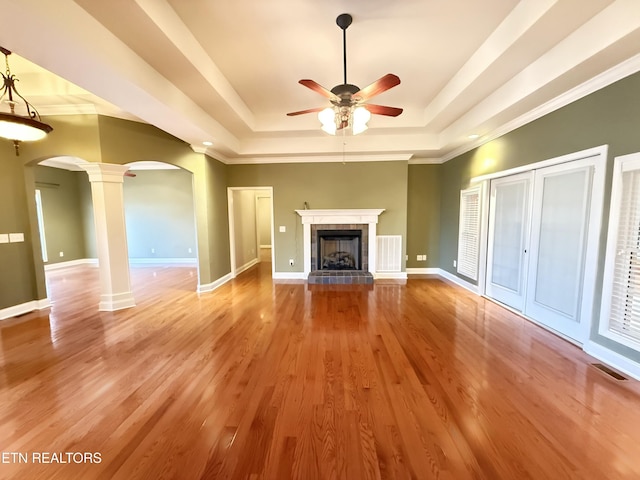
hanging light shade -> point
(19, 128)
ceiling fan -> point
(348, 101)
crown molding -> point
(608, 77)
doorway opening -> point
(250, 227)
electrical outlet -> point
(62, 254)
(418, 257)
(189, 250)
(291, 262)
(282, 229)
(455, 264)
(406, 257)
(153, 250)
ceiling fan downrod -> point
(343, 21)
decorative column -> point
(111, 235)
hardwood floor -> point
(275, 381)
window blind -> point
(469, 233)
(622, 281)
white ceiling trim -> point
(338, 158)
(609, 26)
(168, 21)
(65, 163)
(514, 26)
(151, 165)
(90, 56)
(626, 68)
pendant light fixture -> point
(19, 128)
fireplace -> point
(364, 220)
(339, 249)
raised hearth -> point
(340, 277)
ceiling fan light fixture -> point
(349, 108)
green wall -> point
(159, 214)
(100, 139)
(86, 209)
(423, 215)
(73, 135)
(326, 185)
(18, 283)
(609, 116)
(244, 226)
(124, 141)
(63, 212)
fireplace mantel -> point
(342, 215)
(339, 216)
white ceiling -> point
(227, 72)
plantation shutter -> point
(469, 233)
(624, 313)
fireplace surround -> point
(365, 220)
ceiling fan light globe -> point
(359, 128)
(361, 115)
(330, 128)
(327, 116)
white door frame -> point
(598, 157)
(232, 235)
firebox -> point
(339, 250)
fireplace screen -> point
(339, 249)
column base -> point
(118, 301)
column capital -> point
(105, 172)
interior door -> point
(561, 202)
(509, 220)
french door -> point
(509, 214)
(539, 232)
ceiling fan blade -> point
(382, 110)
(301, 112)
(376, 88)
(316, 87)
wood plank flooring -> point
(276, 381)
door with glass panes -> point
(538, 234)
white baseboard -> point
(246, 266)
(613, 359)
(163, 261)
(116, 301)
(458, 281)
(289, 276)
(446, 276)
(23, 308)
(71, 263)
(423, 271)
(390, 275)
(210, 287)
